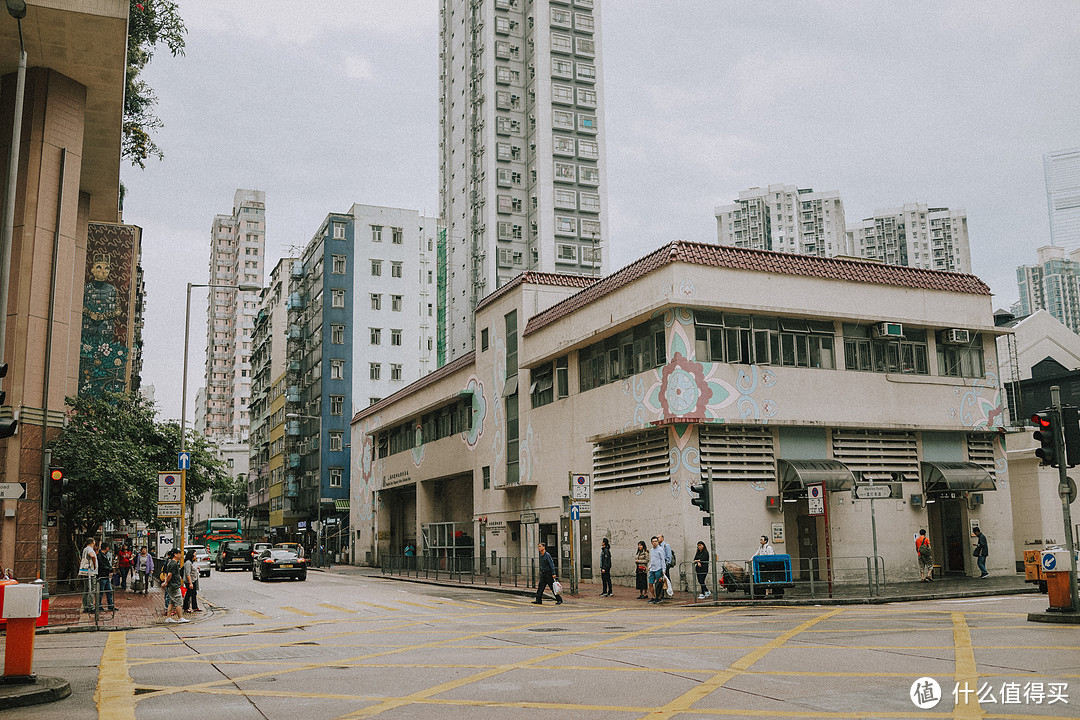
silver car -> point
(202, 559)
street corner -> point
(44, 689)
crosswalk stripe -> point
(255, 614)
(482, 602)
(381, 607)
(297, 611)
(336, 607)
(426, 607)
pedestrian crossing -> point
(397, 607)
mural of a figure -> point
(103, 357)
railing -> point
(811, 577)
(467, 570)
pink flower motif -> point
(684, 392)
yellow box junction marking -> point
(115, 694)
(297, 611)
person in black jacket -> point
(605, 567)
(547, 576)
(105, 571)
(701, 567)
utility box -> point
(1056, 569)
(22, 601)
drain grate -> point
(143, 691)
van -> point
(234, 554)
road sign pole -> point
(183, 503)
(873, 531)
(1063, 485)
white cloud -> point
(356, 66)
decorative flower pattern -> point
(685, 391)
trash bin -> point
(771, 572)
(1055, 568)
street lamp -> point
(318, 498)
(243, 287)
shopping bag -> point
(136, 585)
(556, 588)
(667, 583)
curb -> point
(45, 689)
(1058, 618)
(62, 629)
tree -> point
(150, 23)
(233, 495)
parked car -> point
(258, 547)
(278, 562)
(287, 546)
(234, 553)
(202, 559)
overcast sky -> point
(947, 103)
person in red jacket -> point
(926, 557)
(125, 560)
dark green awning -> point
(795, 475)
(941, 477)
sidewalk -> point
(845, 594)
(133, 610)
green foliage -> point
(233, 495)
(150, 23)
(112, 450)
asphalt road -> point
(352, 647)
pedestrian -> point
(9, 574)
(144, 564)
(191, 582)
(125, 561)
(300, 551)
(765, 548)
(926, 556)
(105, 571)
(669, 554)
(605, 567)
(547, 576)
(982, 549)
(701, 567)
(657, 568)
(88, 568)
(172, 577)
(641, 561)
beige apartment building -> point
(698, 360)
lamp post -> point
(244, 287)
(318, 498)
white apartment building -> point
(237, 256)
(784, 218)
(1062, 170)
(1052, 284)
(522, 170)
(914, 235)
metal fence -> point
(814, 577)
(80, 601)
(517, 572)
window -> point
(506, 76)
(562, 377)
(735, 338)
(586, 46)
(376, 233)
(395, 371)
(503, 152)
(632, 351)
(583, 22)
(561, 68)
(586, 72)
(542, 387)
(337, 298)
(586, 97)
(505, 100)
(961, 360)
(587, 123)
(337, 334)
(504, 50)
(339, 231)
(373, 400)
(395, 337)
(562, 119)
(485, 473)
(512, 457)
(396, 236)
(563, 145)
(374, 370)
(335, 441)
(888, 355)
(561, 43)
(337, 404)
(507, 126)
(560, 18)
(506, 177)
(590, 228)
(565, 225)
(588, 149)
(565, 198)
(511, 344)
(566, 172)
(335, 477)
(339, 265)
(566, 253)
(483, 339)
(376, 268)
(589, 175)
(376, 301)
(590, 202)
(395, 269)
(337, 369)
(395, 303)
(562, 94)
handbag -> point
(556, 587)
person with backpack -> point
(105, 572)
(926, 556)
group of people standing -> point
(102, 565)
(180, 579)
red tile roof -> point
(540, 278)
(863, 271)
(448, 369)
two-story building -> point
(787, 379)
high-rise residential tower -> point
(1062, 169)
(1052, 284)
(916, 236)
(784, 218)
(522, 170)
(237, 257)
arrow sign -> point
(12, 491)
(575, 512)
(1049, 562)
(183, 461)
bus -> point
(213, 531)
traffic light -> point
(1070, 421)
(1046, 433)
(3, 374)
(7, 427)
(56, 488)
(702, 500)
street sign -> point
(580, 486)
(815, 496)
(528, 518)
(575, 512)
(168, 510)
(183, 461)
(1068, 490)
(168, 478)
(873, 492)
(168, 493)
(585, 506)
(12, 491)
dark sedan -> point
(279, 563)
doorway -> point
(954, 542)
(807, 532)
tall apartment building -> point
(268, 365)
(237, 250)
(784, 218)
(522, 168)
(361, 325)
(1052, 284)
(1062, 170)
(916, 236)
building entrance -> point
(954, 542)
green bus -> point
(213, 531)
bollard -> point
(22, 606)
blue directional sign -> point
(184, 461)
(575, 512)
(1049, 562)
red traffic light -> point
(56, 474)
(1040, 420)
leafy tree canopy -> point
(112, 450)
(150, 23)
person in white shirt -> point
(765, 548)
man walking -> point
(174, 574)
(547, 576)
(982, 549)
(657, 568)
(105, 571)
(88, 568)
(926, 557)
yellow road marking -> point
(337, 607)
(381, 607)
(483, 602)
(115, 695)
(426, 607)
(966, 673)
(684, 702)
(297, 611)
(255, 614)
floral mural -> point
(475, 388)
(981, 404)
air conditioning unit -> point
(887, 330)
(956, 337)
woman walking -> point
(124, 562)
(701, 567)
(144, 563)
(605, 567)
(191, 582)
(641, 560)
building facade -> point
(1062, 172)
(915, 236)
(1052, 284)
(237, 257)
(784, 218)
(692, 362)
(522, 166)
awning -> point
(795, 475)
(953, 476)
(341, 506)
